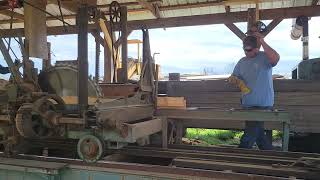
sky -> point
(192, 50)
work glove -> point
(240, 83)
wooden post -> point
(46, 63)
(164, 132)
(82, 24)
(179, 136)
(124, 44)
(251, 18)
(25, 59)
(108, 64)
(97, 59)
(285, 138)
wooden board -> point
(284, 85)
(301, 98)
(171, 103)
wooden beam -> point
(124, 45)
(219, 18)
(274, 23)
(97, 63)
(151, 7)
(73, 5)
(98, 38)
(251, 18)
(118, 42)
(82, 23)
(233, 27)
(235, 30)
(15, 14)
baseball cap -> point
(250, 42)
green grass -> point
(215, 136)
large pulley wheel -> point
(115, 13)
(90, 148)
(30, 124)
(37, 119)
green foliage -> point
(215, 136)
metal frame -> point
(206, 118)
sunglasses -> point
(248, 50)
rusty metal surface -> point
(246, 168)
(216, 154)
(151, 170)
(246, 152)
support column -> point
(82, 25)
(124, 44)
(251, 18)
(108, 64)
(97, 73)
(46, 63)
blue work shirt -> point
(256, 73)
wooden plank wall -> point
(299, 97)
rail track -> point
(205, 162)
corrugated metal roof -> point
(168, 8)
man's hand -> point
(240, 83)
(271, 53)
(259, 36)
(233, 80)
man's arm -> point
(272, 55)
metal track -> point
(269, 163)
(230, 163)
(142, 169)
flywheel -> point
(30, 124)
(37, 119)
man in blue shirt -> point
(255, 71)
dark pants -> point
(254, 133)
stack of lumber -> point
(171, 103)
(301, 98)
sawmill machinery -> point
(45, 108)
